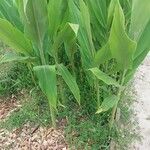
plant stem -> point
(53, 118)
(73, 68)
(97, 92)
(120, 90)
(31, 72)
(62, 96)
(43, 61)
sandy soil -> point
(142, 104)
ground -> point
(142, 104)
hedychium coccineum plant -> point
(111, 37)
(36, 31)
(113, 40)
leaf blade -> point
(107, 104)
(104, 77)
(47, 81)
(121, 46)
(14, 38)
(70, 81)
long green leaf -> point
(102, 55)
(143, 45)
(67, 35)
(111, 10)
(70, 81)
(11, 57)
(36, 24)
(104, 77)
(56, 14)
(107, 104)
(8, 10)
(77, 17)
(47, 81)
(98, 20)
(121, 46)
(14, 38)
(85, 20)
(139, 18)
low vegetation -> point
(80, 55)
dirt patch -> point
(30, 136)
(8, 106)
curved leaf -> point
(121, 46)
(10, 57)
(70, 81)
(139, 18)
(47, 81)
(104, 77)
(108, 103)
(14, 38)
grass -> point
(82, 130)
(31, 111)
(15, 79)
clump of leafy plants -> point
(92, 47)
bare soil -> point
(142, 105)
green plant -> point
(113, 43)
(41, 38)
(104, 41)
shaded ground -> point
(142, 104)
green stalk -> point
(52, 111)
(119, 94)
(43, 61)
(97, 92)
(31, 72)
(73, 68)
(62, 96)
(53, 117)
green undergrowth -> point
(32, 110)
(83, 128)
(16, 78)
